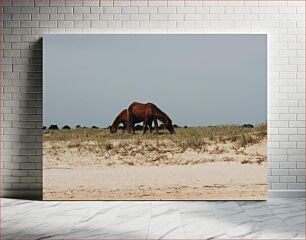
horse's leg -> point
(129, 122)
(156, 124)
(150, 126)
(124, 128)
(133, 128)
(145, 125)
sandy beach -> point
(204, 181)
(153, 169)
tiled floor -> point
(272, 219)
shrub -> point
(53, 127)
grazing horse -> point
(147, 113)
(122, 118)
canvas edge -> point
(37, 194)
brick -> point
(29, 24)
(73, 17)
(222, 24)
(138, 3)
(121, 3)
(121, 17)
(129, 10)
(48, 10)
(273, 179)
(148, 24)
(39, 31)
(19, 173)
(296, 151)
(98, 24)
(91, 3)
(296, 124)
(112, 10)
(166, 10)
(57, 17)
(193, 17)
(11, 9)
(160, 17)
(288, 116)
(91, 16)
(23, 3)
(189, 3)
(296, 186)
(167, 24)
(228, 17)
(139, 16)
(300, 179)
(157, 3)
(20, 46)
(21, 31)
(21, 16)
(261, 10)
(287, 145)
(287, 165)
(29, 10)
(11, 179)
(74, 3)
(296, 158)
(276, 151)
(130, 24)
(27, 179)
(47, 24)
(202, 10)
(57, 3)
(176, 3)
(81, 24)
(300, 165)
(287, 179)
(273, 165)
(296, 172)
(11, 24)
(185, 24)
(189, 10)
(277, 186)
(81, 10)
(147, 9)
(41, 3)
(287, 131)
(11, 53)
(63, 10)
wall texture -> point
(25, 22)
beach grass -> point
(192, 137)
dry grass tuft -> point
(197, 138)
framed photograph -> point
(155, 117)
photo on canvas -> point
(155, 117)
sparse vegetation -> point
(201, 139)
(193, 137)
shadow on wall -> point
(32, 121)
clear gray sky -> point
(197, 79)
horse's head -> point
(169, 126)
(112, 129)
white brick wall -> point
(25, 21)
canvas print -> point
(155, 117)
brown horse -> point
(122, 118)
(147, 113)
